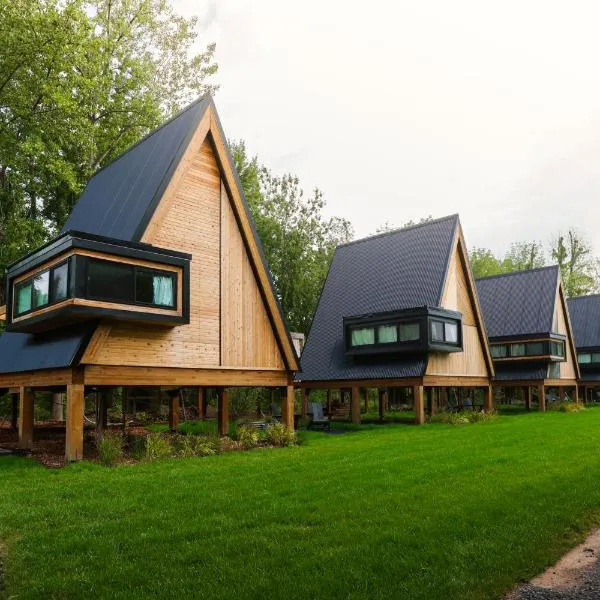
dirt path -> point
(576, 576)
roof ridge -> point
(583, 297)
(151, 133)
(548, 267)
(399, 230)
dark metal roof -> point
(519, 303)
(53, 350)
(120, 199)
(393, 271)
(585, 320)
(525, 370)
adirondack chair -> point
(317, 418)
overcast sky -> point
(399, 109)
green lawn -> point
(391, 511)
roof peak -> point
(155, 130)
(400, 230)
(517, 273)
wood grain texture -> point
(26, 419)
(3, 313)
(74, 433)
(39, 379)
(569, 369)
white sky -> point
(399, 109)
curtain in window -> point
(363, 337)
(387, 334)
(24, 299)
(410, 332)
(163, 290)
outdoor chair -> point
(276, 411)
(318, 420)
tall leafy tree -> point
(578, 267)
(484, 263)
(523, 256)
(297, 239)
(81, 81)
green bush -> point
(463, 417)
(158, 446)
(110, 448)
(184, 446)
(137, 446)
(567, 406)
(204, 446)
(277, 434)
(198, 428)
(248, 436)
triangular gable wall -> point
(562, 324)
(234, 320)
(459, 294)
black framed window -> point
(517, 350)
(154, 287)
(584, 358)
(557, 348)
(59, 286)
(535, 349)
(499, 350)
(451, 333)
(445, 332)
(410, 332)
(437, 331)
(362, 336)
(41, 289)
(554, 370)
(23, 300)
(387, 334)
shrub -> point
(184, 446)
(567, 406)
(248, 436)
(158, 446)
(277, 434)
(198, 428)
(204, 446)
(110, 448)
(137, 446)
(463, 417)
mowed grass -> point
(433, 512)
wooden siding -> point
(567, 368)
(228, 325)
(457, 296)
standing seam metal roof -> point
(396, 270)
(585, 320)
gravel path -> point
(575, 577)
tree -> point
(484, 263)
(80, 82)
(297, 239)
(523, 256)
(578, 268)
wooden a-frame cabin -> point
(400, 310)
(531, 340)
(157, 279)
(585, 319)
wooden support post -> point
(287, 406)
(355, 405)
(223, 411)
(305, 402)
(418, 404)
(58, 401)
(173, 411)
(103, 398)
(74, 433)
(25, 418)
(14, 417)
(488, 398)
(541, 398)
(528, 397)
(328, 402)
(201, 403)
(429, 400)
(575, 393)
(380, 394)
(444, 398)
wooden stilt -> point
(288, 406)
(173, 411)
(223, 411)
(74, 433)
(575, 393)
(488, 398)
(103, 397)
(305, 402)
(527, 391)
(25, 418)
(201, 406)
(541, 398)
(418, 404)
(355, 405)
(444, 398)
(14, 416)
(58, 413)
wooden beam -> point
(287, 406)
(3, 313)
(541, 398)
(178, 377)
(26, 418)
(38, 379)
(223, 411)
(355, 405)
(488, 398)
(418, 404)
(201, 403)
(74, 431)
(452, 381)
(349, 383)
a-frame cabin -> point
(157, 279)
(530, 336)
(585, 319)
(399, 311)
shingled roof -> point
(396, 270)
(520, 303)
(585, 320)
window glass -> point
(557, 348)
(110, 281)
(535, 349)
(596, 358)
(23, 297)
(154, 288)
(363, 336)
(41, 289)
(437, 331)
(410, 332)
(59, 287)
(387, 334)
(499, 351)
(517, 350)
(554, 370)
(451, 331)
(585, 359)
